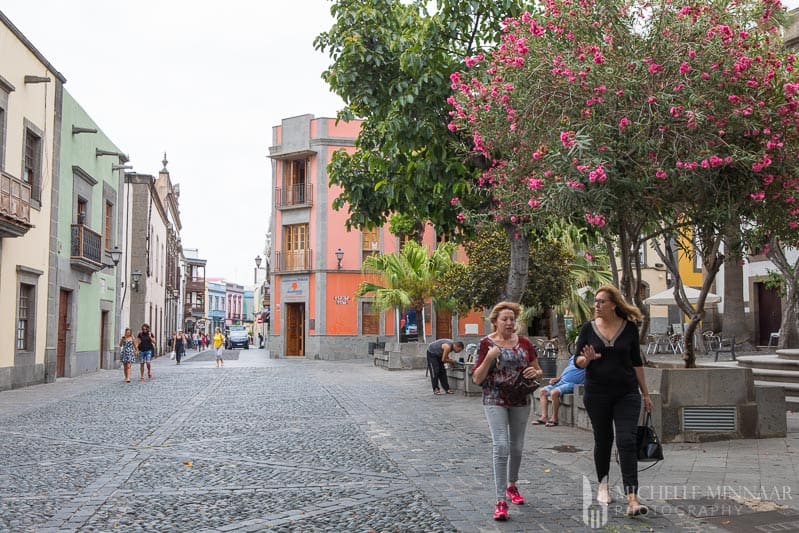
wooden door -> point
(443, 325)
(63, 329)
(769, 313)
(103, 340)
(295, 329)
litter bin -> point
(549, 362)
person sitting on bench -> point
(558, 386)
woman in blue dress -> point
(128, 353)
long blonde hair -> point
(623, 309)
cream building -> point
(30, 123)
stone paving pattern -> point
(293, 445)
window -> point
(80, 214)
(370, 242)
(2, 136)
(295, 182)
(25, 317)
(370, 319)
(296, 247)
(5, 89)
(109, 226)
(32, 164)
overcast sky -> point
(205, 82)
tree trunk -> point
(789, 334)
(519, 264)
(734, 318)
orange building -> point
(316, 263)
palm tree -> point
(410, 278)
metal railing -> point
(294, 195)
(86, 244)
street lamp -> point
(115, 254)
(339, 256)
(257, 266)
(136, 277)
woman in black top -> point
(610, 351)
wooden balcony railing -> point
(86, 249)
(195, 310)
(15, 206)
(294, 196)
(293, 261)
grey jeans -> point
(507, 425)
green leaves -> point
(391, 61)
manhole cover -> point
(784, 521)
(566, 448)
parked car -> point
(238, 337)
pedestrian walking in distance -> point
(219, 343)
(438, 354)
(179, 345)
(501, 358)
(128, 352)
(145, 343)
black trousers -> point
(623, 411)
(438, 374)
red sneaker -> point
(501, 510)
(513, 493)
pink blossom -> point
(454, 200)
(598, 174)
(452, 126)
(596, 220)
(533, 203)
(535, 183)
(758, 196)
(598, 59)
(567, 139)
(575, 184)
(623, 123)
(685, 68)
(661, 174)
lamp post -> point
(136, 277)
(339, 256)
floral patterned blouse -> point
(506, 369)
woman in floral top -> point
(128, 353)
(502, 356)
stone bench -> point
(565, 410)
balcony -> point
(196, 310)
(86, 251)
(294, 196)
(15, 206)
(293, 261)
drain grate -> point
(711, 419)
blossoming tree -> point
(662, 119)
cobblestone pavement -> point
(295, 445)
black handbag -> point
(648, 443)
